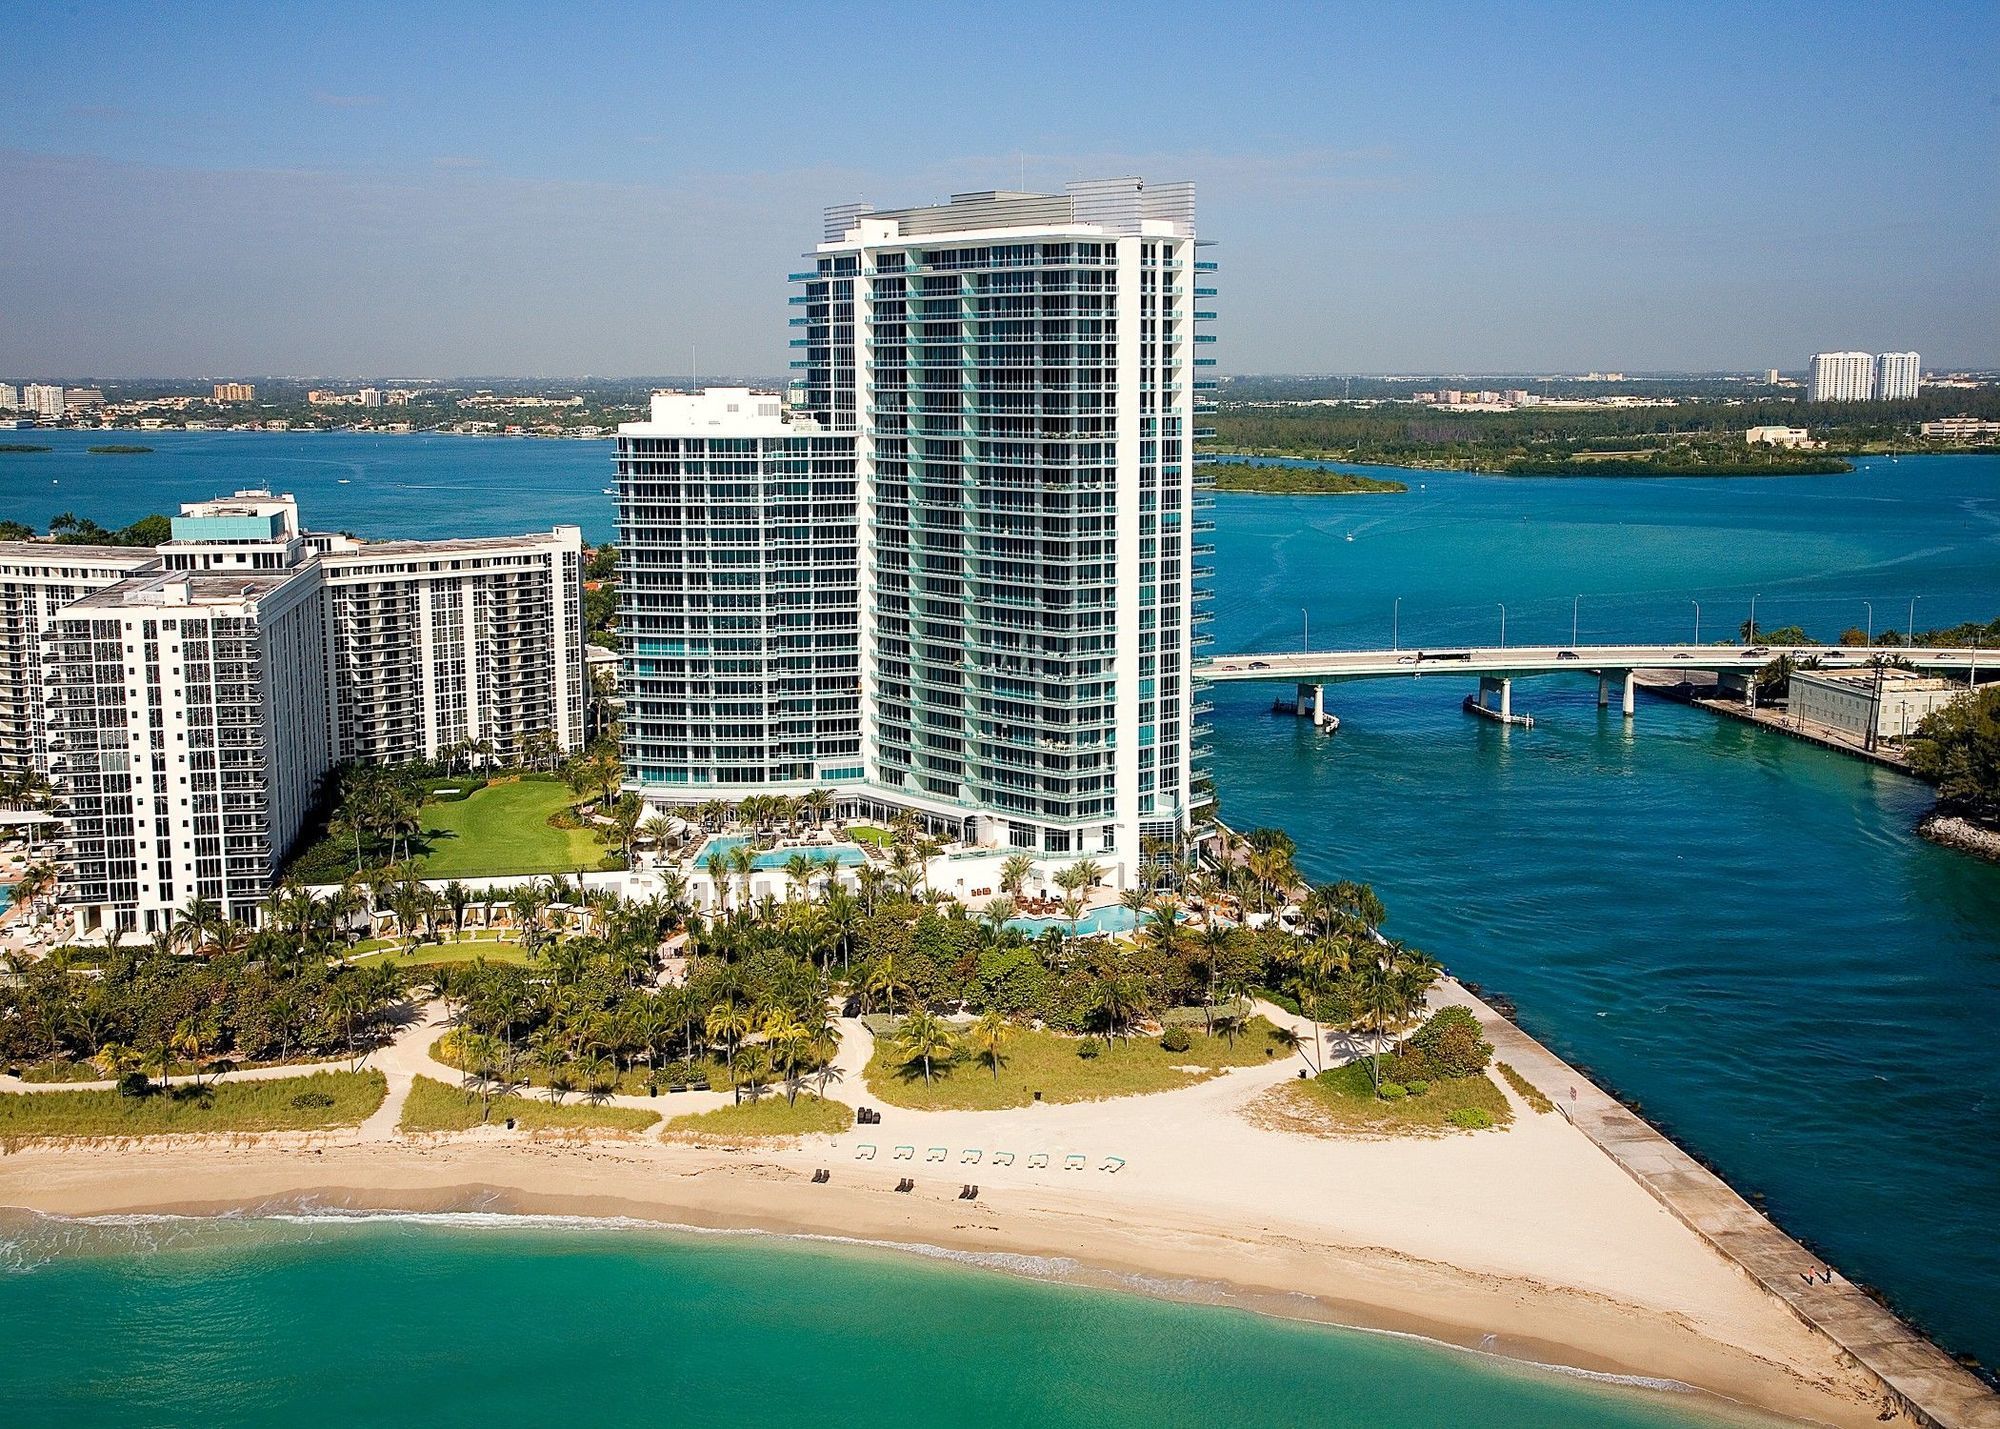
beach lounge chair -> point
(906, 1153)
(968, 1157)
(906, 1185)
(1073, 1161)
(864, 1152)
(1113, 1164)
(1003, 1158)
(936, 1153)
(1039, 1158)
(822, 1176)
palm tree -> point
(594, 1074)
(729, 1023)
(1015, 871)
(800, 869)
(925, 1036)
(989, 1035)
(1073, 908)
(1121, 1000)
(886, 982)
(741, 862)
(786, 1039)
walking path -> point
(1917, 1374)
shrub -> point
(1088, 1048)
(1472, 1118)
(1409, 1066)
(1526, 1090)
(134, 1084)
(1418, 1087)
(1392, 1091)
(1450, 1043)
(1176, 1039)
(306, 1100)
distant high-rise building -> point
(44, 399)
(10, 396)
(1771, 378)
(1898, 375)
(235, 392)
(1841, 377)
(371, 396)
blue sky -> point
(534, 190)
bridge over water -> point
(1496, 667)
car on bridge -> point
(1567, 655)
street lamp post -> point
(1396, 624)
(1697, 620)
(1307, 615)
(1869, 605)
(1911, 637)
(1753, 618)
(1503, 623)
(1575, 605)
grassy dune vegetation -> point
(433, 1106)
(310, 1103)
(1295, 480)
(1044, 1062)
(769, 1117)
(1341, 1101)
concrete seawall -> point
(1916, 1375)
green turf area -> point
(772, 1116)
(1048, 1063)
(1341, 1101)
(433, 1106)
(451, 950)
(870, 834)
(503, 830)
(310, 1103)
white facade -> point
(323, 648)
(1868, 707)
(44, 399)
(1898, 375)
(1778, 437)
(1841, 377)
(1015, 376)
(10, 397)
(187, 740)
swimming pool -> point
(1112, 918)
(839, 855)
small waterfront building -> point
(1960, 429)
(1789, 437)
(1869, 705)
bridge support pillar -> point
(1631, 687)
(1603, 692)
(1737, 683)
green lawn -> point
(503, 830)
(1341, 1101)
(1048, 1063)
(310, 1103)
(870, 834)
(451, 950)
(770, 1117)
(433, 1106)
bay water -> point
(1736, 931)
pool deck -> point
(1916, 1375)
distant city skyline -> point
(1430, 191)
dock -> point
(1674, 685)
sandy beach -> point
(1527, 1242)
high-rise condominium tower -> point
(959, 573)
(1898, 375)
(1841, 377)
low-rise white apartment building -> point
(1778, 437)
(248, 650)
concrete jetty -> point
(1916, 1375)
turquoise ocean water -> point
(224, 1324)
(1737, 931)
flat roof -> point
(182, 590)
(1863, 681)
